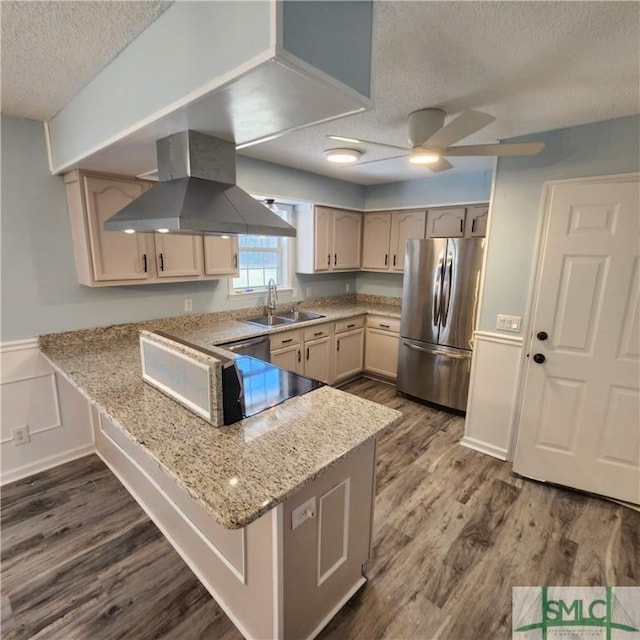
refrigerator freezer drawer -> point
(433, 373)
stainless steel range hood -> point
(197, 194)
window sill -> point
(258, 293)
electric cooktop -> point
(251, 385)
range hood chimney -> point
(197, 194)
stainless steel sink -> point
(300, 316)
(267, 321)
(287, 317)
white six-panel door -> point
(580, 419)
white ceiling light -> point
(342, 156)
(420, 156)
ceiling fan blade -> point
(357, 164)
(464, 125)
(508, 149)
(360, 141)
(440, 165)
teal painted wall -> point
(596, 149)
(40, 292)
(334, 37)
(433, 191)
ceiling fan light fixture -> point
(422, 156)
(342, 156)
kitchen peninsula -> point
(273, 514)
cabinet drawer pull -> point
(161, 262)
(299, 356)
(386, 259)
(307, 353)
(385, 326)
(350, 326)
(318, 333)
(394, 259)
(287, 341)
(338, 345)
(461, 226)
(144, 262)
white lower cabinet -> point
(308, 352)
(382, 341)
(349, 350)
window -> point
(262, 258)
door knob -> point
(539, 358)
(542, 335)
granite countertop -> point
(237, 473)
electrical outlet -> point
(308, 292)
(348, 287)
(20, 435)
(188, 304)
(305, 511)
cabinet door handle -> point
(235, 260)
(299, 356)
(338, 345)
(328, 260)
(161, 262)
(335, 259)
(394, 259)
(386, 259)
(144, 262)
(307, 353)
(287, 341)
(473, 225)
(461, 226)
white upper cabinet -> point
(328, 240)
(405, 225)
(477, 217)
(384, 238)
(375, 241)
(220, 256)
(104, 256)
(446, 223)
(178, 255)
(114, 258)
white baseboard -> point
(46, 463)
(484, 447)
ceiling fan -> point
(431, 140)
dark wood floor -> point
(454, 531)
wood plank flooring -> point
(454, 531)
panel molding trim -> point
(323, 577)
(494, 393)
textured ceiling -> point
(50, 50)
(536, 66)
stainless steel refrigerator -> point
(439, 307)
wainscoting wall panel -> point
(492, 408)
(56, 414)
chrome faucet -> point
(272, 296)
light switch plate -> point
(508, 323)
(304, 512)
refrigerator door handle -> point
(448, 354)
(448, 276)
(437, 290)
